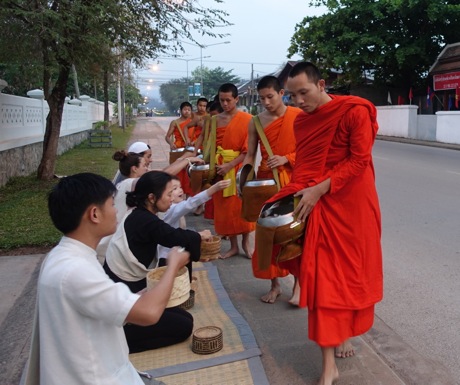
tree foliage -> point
(174, 92)
(63, 33)
(395, 40)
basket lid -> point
(181, 287)
(207, 332)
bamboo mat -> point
(237, 363)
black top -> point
(144, 232)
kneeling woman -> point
(132, 252)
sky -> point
(260, 35)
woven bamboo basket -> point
(207, 340)
(181, 287)
(210, 250)
(190, 302)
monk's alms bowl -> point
(278, 213)
(197, 167)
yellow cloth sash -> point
(225, 156)
(283, 176)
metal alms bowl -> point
(241, 177)
(190, 148)
(278, 213)
(181, 149)
(197, 167)
(260, 182)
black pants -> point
(174, 326)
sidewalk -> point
(280, 329)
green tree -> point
(174, 92)
(63, 33)
(213, 79)
(395, 40)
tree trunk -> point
(56, 102)
(106, 96)
(75, 82)
(46, 74)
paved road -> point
(419, 189)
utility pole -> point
(252, 86)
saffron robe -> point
(227, 210)
(195, 131)
(179, 142)
(340, 268)
(280, 136)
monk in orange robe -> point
(340, 269)
(277, 122)
(231, 147)
(176, 138)
(193, 129)
(201, 142)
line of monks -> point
(322, 153)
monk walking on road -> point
(340, 268)
(229, 134)
(277, 122)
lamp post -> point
(201, 56)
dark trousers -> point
(174, 326)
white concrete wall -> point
(448, 127)
(23, 120)
(400, 121)
(426, 127)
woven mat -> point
(237, 363)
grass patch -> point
(23, 200)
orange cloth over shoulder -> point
(178, 140)
(341, 264)
(194, 132)
(280, 136)
(227, 211)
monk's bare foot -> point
(295, 299)
(345, 350)
(245, 246)
(247, 253)
(229, 253)
(329, 378)
(330, 372)
(273, 294)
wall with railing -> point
(22, 128)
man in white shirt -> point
(78, 336)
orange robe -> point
(194, 132)
(227, 210)
(280, 136)
(341, 265)
(179, 142)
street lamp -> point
(201, 56)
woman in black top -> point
(144, 232)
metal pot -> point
(241, 177)
(260, 182)
(197, 167)
(278, 213)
